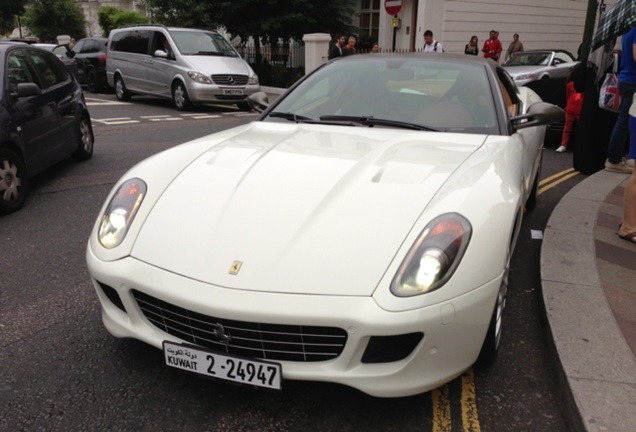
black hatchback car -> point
(89, 55)
(43, 119)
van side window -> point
(136, 41)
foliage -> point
(267, 20)
(9, 9)
(49, 18)
(111, 18)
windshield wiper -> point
(210, 53)
(372, 121)
(292, 117)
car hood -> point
(520, 70)
(304, 209)
(217, 65)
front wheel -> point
(85, 140)
(93, 82)
(120, 89)
(13, 182)
(180, 97)
(490, 347)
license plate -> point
(222, 366)
(233, 92)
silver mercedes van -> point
(189, 66)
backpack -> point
(435, 47)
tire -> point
(93, 82)
(531, 202)
(180, 97)
(85, 140)
(490, 348)
(14, 182)
(120, 89)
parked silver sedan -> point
(528, 66)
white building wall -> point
(540, 23)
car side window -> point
(49, 72)
(507, 86)
(18, 70)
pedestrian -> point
(430, 44)
(492, 47)
(72, 43)
(336, 49)
(472, 47)
(350, 49)
(516, 46)
(627, 226)
(626, 87)
(375, 48)
(573, 105)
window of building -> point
(369, 22)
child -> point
(573, 104)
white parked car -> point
(535, 65)
(358, 232)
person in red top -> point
(573, 104)
(492, 47)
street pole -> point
(588, 31)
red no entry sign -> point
(392, 7)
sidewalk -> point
(589, 291)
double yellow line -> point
(442, 420)
(556, 179)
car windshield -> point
(529, 59)
(202, 43)
(394, 91)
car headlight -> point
(253, 80)
(120, 212)
(434, 256)
(524, 77)
(199, 77)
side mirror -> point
(540, 113)
(161, 54)
(258, 101)
(28, 89)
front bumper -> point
(454, 330)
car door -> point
(34, 116)
(58, 93)
(159, 70)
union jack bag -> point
(609, 97)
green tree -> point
(111, 18)
(9, 9)
(49, 18)
(264, 20)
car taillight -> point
(102, 58)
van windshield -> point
(202, 43)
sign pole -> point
(394, 35)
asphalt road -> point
(61, 370)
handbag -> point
(609, 96)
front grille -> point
(297, 343)
(237, 80)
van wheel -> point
(13, 182)
(85, 140)
(94, 85)
(180, 97)
(120, 89)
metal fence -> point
(277, 65)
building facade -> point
(540, 23)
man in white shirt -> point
(430, 44)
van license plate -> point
(222, 366)
(233, 92)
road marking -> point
(556, 179)
(470, 419)
(115, 121)
(104, 102)
(441, 410)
